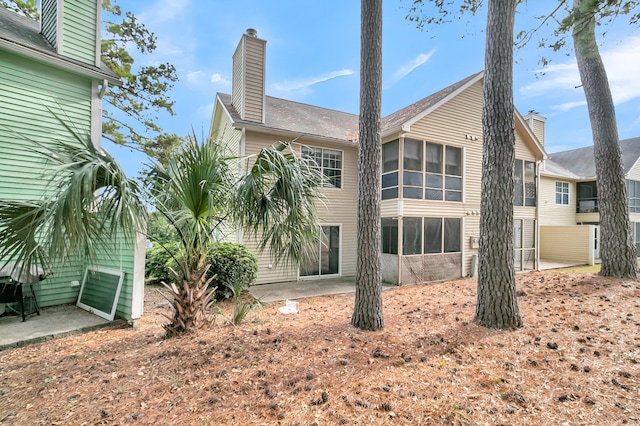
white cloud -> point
(407, 68)
(194, 76)
(217, 78)
(163, 11)
(305, 84)
(621, 63)
(205, 111)
(568, 105)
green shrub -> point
(234, 266)
(158, 260)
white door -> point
(596, 242)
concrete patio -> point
(53, 322)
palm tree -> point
(199, 193)
(90, 200)
(87, 202)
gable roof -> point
(581, 162)
(21, 35)
(299, 119)
(414, 112)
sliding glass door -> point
(324, 259)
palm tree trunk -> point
(367, 312)
(497, 305)
(617, 250)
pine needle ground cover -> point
(575, 361)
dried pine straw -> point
(430, 365)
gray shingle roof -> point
(301, 118)
(307, 119)
(407, 113)
(580, 161)
(25, 32)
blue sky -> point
(313, 57)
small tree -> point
(197, 192)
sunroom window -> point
(390, 164)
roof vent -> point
(252, 32)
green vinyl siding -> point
(31, 96)
(48, 23)
(79, 30)
(119, 256)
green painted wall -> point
(79, 30)
(29, 92)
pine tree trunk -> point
(617, 250)
(497, 305)
(367, 312)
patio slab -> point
(53, 322)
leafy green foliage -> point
(144, 90)
(233, 268)
(158, 261)
(27, 8)
(88, 200)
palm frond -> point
(275, 201)
(87, 201)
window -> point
(633, 192)
(330, 163)
(447, 185)
(412, 172)
(389, 235)
(586, 197)
(562, 193)
(524, 183)
(390, 164)
(437, 235)
(412, 235)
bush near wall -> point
(234, 266)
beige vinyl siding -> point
(238, 77)
(248, 78)
(49, 21)
(254, 81)
(552, 213)
(587, 217)
(448, 125)
(338, 208)
(537, 127)
(634, 173)
(567, 243)
(79, 30)
(390, 208)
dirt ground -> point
(575, 362)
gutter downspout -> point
(103, 89)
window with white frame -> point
(330, 163)
(431, 171)
(562, 193)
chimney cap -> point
(252, 32)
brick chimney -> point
(248, 91)
(536, 124)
